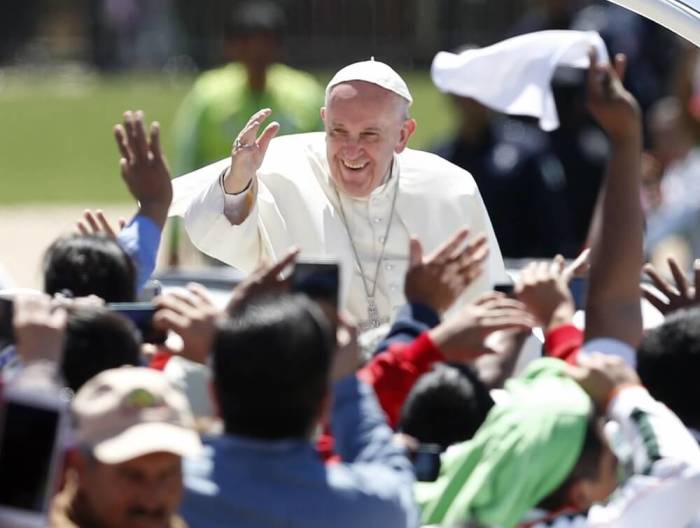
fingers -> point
(289, 257)
(120, 137)
(155, 141)
(267, 135)
(104, 224)
(679, 277)
(82, 228)
(620, 65)
(91, 221)
(415, 252)
(250, 132)
(696, 277)
(140, 146)
(652, 296)
(121, 223)
(488, 296)
(442, 253)
(663, 286)
(579, 266)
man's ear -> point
(407, 130)
(323, 114)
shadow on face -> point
(140, 493)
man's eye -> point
(370, 135)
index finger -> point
(679, 277)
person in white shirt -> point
(356, 193)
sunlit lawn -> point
(56, 130)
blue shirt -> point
(140, 239)
(250, 483)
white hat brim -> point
(145, 439)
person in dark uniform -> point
(522, 183)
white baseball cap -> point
(129, 412)
(374, 72)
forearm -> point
(617, 253)
(141, 239)
(360, 429)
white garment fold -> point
(513, 76)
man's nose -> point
(351, 148)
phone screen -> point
(141, 314)
(6, 329)
(319, 280)
(28, 436)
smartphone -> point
(319, 280)
(426, 462)
(141, 314)
(505, 287)
(6, 326)
(33, 426)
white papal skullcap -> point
(374, 72)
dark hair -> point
(445, 406)
(668, 363)
(587, 466)
(97, 340)
(255, 17)
(271, 367)
(89, 265)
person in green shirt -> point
(222, 100)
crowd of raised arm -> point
(473, 407)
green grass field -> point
(56, 140)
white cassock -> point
(297, 205)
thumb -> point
(415, 251)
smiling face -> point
(365, 125)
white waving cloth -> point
(513, 76)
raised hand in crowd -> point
(144, 167)
(97, 224)
(462, 337)
(39, 327)
(673, 296)
(543, 288)
(248, 152)
(613, 302)
(193, 316)
(267, 278)
(440, 278)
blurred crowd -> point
(561, 393)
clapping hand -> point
(440, 278)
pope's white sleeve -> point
(221, 230)
(664, 489)
(480, 223)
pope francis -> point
(354, 192)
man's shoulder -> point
(428, 170)
(291, 155)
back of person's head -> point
(445, 406)
(271, 366)
(97, 340)
(668, 363)
(251, 17)
(89, 265)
